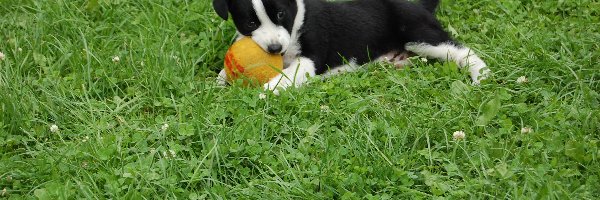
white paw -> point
(278, 83)
(222, 78)
(221, 81)
(295, 75)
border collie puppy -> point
(317, 37)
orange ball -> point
(247, 61)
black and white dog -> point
(318, 37)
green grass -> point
(379, 133)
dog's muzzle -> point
(274, 48)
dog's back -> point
(430, 5)
(361, 30)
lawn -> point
(117, 100)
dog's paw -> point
(278, 83)
(221, 82)
(222, 78)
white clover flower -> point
(85, 139)
(2, 56)
(522, 80)
(152, 150)
(262, 96)
(325, 108)
(526, 130)
(423, 59)
(164, 127)
(54, 128)
(458, 135)
(169, 154)
(19, 49)
(116, 59)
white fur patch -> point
(294, 48)
(295, 75)
(268, 32)
(463, 56)
(349, 67)
(222, 78)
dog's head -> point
(270, 23)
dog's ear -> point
(221, 8)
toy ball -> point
(247, 61)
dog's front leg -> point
(295, 75)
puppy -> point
(317, 37)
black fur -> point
(241, 15)
(430, 5)
(221, 8)
(287, 7)
(364, 30)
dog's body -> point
(326, 38)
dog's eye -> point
(280, 15)
(251, 24)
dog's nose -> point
(274, 48)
